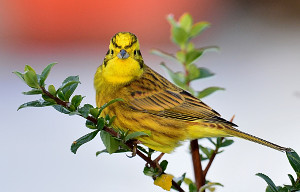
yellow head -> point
(123, 61)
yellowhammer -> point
(152, 103)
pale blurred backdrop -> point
(258, 64)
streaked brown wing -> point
(167, 100)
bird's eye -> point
(134, 52)
(112, 51)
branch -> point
(113, 133)
(199, 175)
(211, 159)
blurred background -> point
(258, 64)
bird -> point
(151, 103)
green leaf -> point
(181, 56)
(186, 22)
(269, 182)
(226, 143)
(294, 160)
(45, 74)
(47, 98)
(29, 68)
(150, 171)
(108, 104)
(76, 100)
(37, 103)
(207, 151)
(163, 54)
(179, 36)
(197, 72)
(20, 75)
(89, 124)
(208, 91)
(135, 135)
(111, 143)
(177, 78)
(179, 180)
(211, 140)
(31, 80)
(94, 112)
(82, 140)
(199, 27)
(60, 95)
(100, 123)
(193, 55)
(33, 92)
(61, 109)
(192, 187)
(52, 90)
(163, 165)
(111, 120)
(209, 185)
(292, 179)
(85, 110)
(68, 86)
(105, 151)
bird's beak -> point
(123, 54)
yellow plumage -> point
(152, 103)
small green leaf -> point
(186, 22)
(108, 104)
(294, 160)
(94, 112)
(179, 36)
(269, 182)
(85, 110)
(52, 90)
(193, 55)
(209, 185)
(82, 140)
(208, 91)
(177, 77)
(181, 56)
(33, 92)
(163, 54)
(179, 180)
(61, 109)
(135, 135)
(292, 179)
(197, 72)
(60, 95)
(111, 120)
(163, 165)
(47, 98)
(207, 151)
(31, 79)
(89, 124)
(100, 123)
(37, 103)
(197, 28)
(150, 171)
(29, 68)
(76, 100)
(20, 75)
(105, 151)
(111, 143)
(68, 86)
(192, 187)
(226, 143)
(45, 74)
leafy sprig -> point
(294, 160)
(182, 32)
(115, 141)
